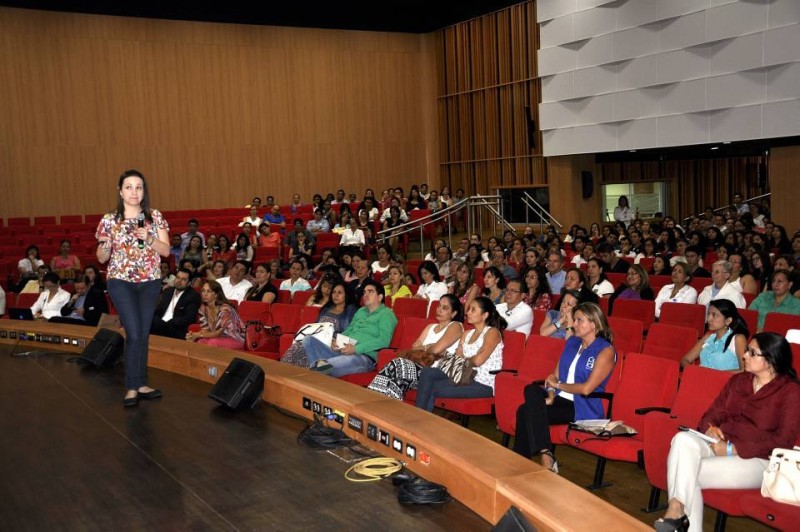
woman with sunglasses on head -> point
(756, 412)
(132, 239)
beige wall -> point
(211, 113)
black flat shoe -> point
(152, 394)
(680, 524)
(131, 401)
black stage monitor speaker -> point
(240, 386)
(587, 184)
(513, 521)
(104, 350)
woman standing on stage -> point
(132, 237)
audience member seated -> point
(396, 287)
(252, 218)
(194, 252)
(555, 272)
(660, 266)
(636, 287)
(66, 265)
(721, 288)
(319, 224)
(177, 308)
(262, 289)
(244, 249)
(437, 339)
(431, 285)
(777, 299)
(28, 268)
(537, 293)
(51, 299)
(295, 282)
(680, 291)
(499, 262)
(558, 321)
(482, 345)
(353, 238)
(723, 346)
(494, 285)
(95, 277)
(322, 293)
(613, 264)
(235, 286)
(693, 256)
(517, 313)
(756, 412)
(463, 285)
(339, 311)
(268, 239)
(84, 307)
(372, 329)
(740, 278)
(292, 238)
(275, 217)
(384, 259)
(192, 231)
(443, 262)
(584, 368)
(596, 278)
(220, 324)
(577, 280)
(167, 277)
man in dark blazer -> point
(177, 308)
(84, 307)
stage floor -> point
(74, 459)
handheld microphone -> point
(140, 222)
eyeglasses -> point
(751, 353)
(206, 291)
(513, 291)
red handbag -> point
(262, 335)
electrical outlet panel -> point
(338, 416)
(397, 445)
(306, 403)
(355, 423)
(372, 432)
(384, 438)
(327, 411)
(316, 407)
(411, 451)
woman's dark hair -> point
(431, 268)
(35, 248)
(317, 296)
(619, 201)
(600, 265)
(478, 258)
(98, 277)
(456, 305)
(458, 290)
(227, 242)
(777, 352)
(728, 310)
(494, 319)
(246, 242)
(225, 266)
(764, 274)
(52, 277)
(215, 287)
(544, 284)
(199, 240)
(144, 204)
(501, 279)
(685, 267)
(574, 293)
(666, 269)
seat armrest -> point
(648, 409)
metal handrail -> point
(730, 205)
(539, 210)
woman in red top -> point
(756, 412)
(132, 237)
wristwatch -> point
(557, 324)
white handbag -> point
(782, 477)
(321, 331)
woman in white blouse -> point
(51, 300)
(623, 212)
(353, 237)
(679, 291)
(597, 279)
(431, 287)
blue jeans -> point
(434, 383)
(136, 305)
(342, 364)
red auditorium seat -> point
(685, 314)
(627, 334)
(669, 341)
(635, 309)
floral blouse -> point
(228, 321)
(543, 302)
(128, 262)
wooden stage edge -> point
(481, 474)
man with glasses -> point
(177, 308)
(371, 330)
(517, 314)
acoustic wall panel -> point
(691, 71)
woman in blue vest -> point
(585, 367)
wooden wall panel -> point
(783, 165)
(486, 78)
(212, 113)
